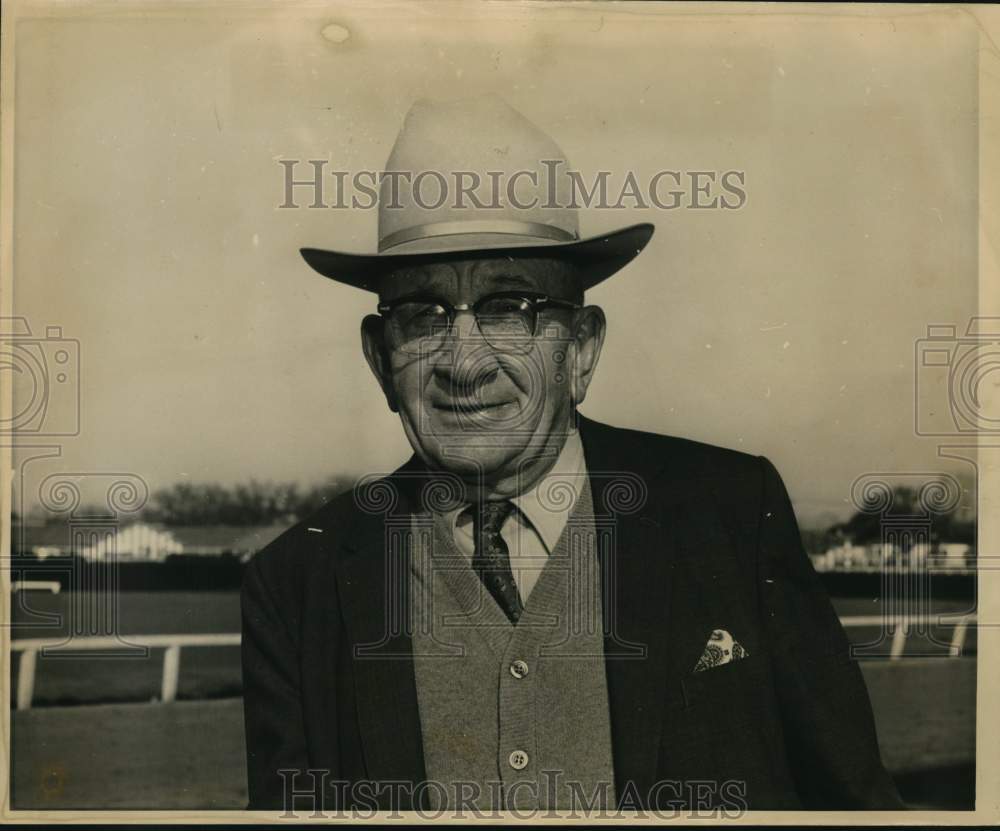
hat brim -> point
(596, 258)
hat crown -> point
(473, 167)
(507, 191)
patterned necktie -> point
(491, 560)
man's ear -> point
(373, 344)
(589, 328)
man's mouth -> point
(473, 407)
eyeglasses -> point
(418, 324)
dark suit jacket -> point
(702, 538)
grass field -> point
(141, 756)
(191, 754)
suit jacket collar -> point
(666, 575)
(372, 568)
(636, 556)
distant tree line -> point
(261, 503)
(251, 503)
(864, 528)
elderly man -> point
(537, 611)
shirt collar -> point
(542, 505)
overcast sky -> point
(147, 227)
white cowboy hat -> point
(522, 206)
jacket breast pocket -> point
(736, 683)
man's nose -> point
(464, 326)
(468, 359)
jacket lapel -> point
(668, 572)
(702, 596)
(373, 579)
(638, 556)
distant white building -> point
(135, 543)
(877, 556)
(147, 542)
(955, 554)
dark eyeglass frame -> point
(535, 302)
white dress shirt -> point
(532, 531)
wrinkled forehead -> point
(466, 280)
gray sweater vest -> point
(512, 716)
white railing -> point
(901, 627)
(172, 645)
(52, 586)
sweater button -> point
(518, 759)
(518, 669)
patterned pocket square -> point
(720, 649)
